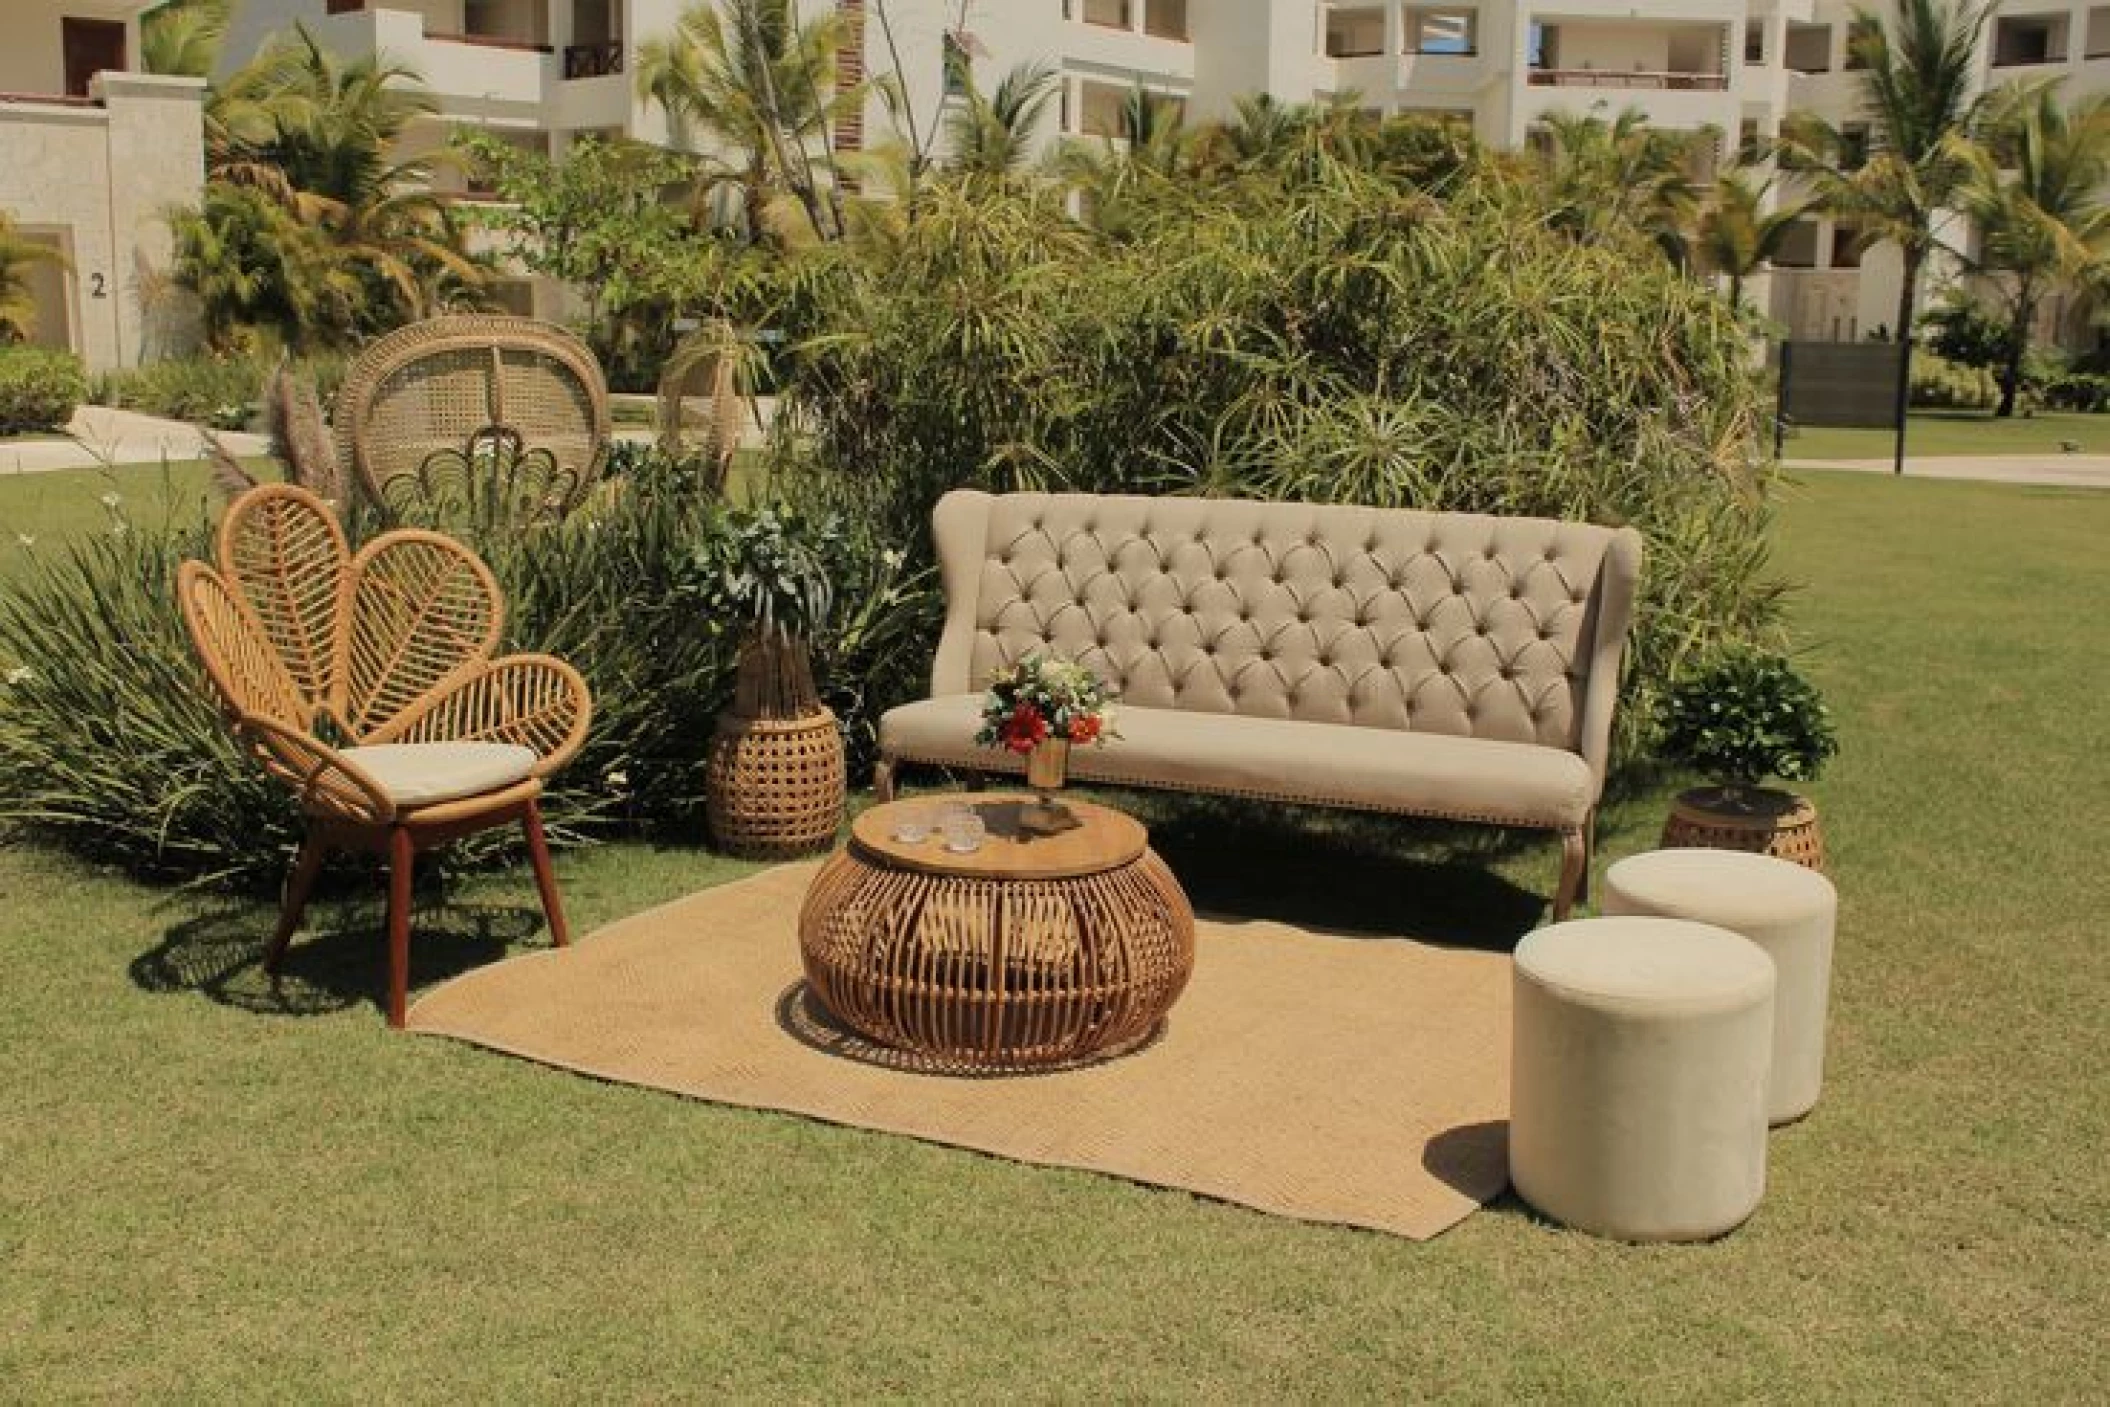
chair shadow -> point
(339, 959)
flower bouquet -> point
(1037, 708)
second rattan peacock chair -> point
(366, 683)
(448, 417)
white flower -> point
(619, 779)
(117, 529)
(893, 556)
(111, 500)
(24, 540)
(20, 674)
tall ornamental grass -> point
(1316, 332)
(111, 743)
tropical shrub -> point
(1940, 384)
(1312, 333)
(206, 390)
(39, 389)
(110, 742)
(1746, 716)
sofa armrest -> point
(960, 534)
(1618, 580)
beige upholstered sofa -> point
(1430, 664)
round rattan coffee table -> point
(1033, 951)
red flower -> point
(1084, 728)
(1025, 729)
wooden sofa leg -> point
(306, 866)
(883, 779)
(402, 856)
(1575, 870)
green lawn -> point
(1954, 432)
(217, 1190)
(48, 507)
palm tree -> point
(183, 37)
(1916, 95)
(992, 136)
(2036, 197)
(18, 254)
(1735, 236)
(1623, 174)
(328, 233)
(746, 76)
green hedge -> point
(39, 389)
(1323, 334)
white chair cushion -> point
(425, 774)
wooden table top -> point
(1103, 839)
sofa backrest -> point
(1502, 628)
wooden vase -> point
(775, 778)
(1764, 820)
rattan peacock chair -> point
(366, 683)
(446, 417)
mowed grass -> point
(1948, 433)
(44, 509)
(218, 1190)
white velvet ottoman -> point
(1786, 909)
(1638, 1076)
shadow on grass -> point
(339, 959)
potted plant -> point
(774, 781)
(1038, 708)
(1739, 720)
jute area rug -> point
(1356, 1080)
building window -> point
(91, 46)
(1355, 32)
(958, 68)
(1441, 32)
(2029, 39)
(1755, 42)
(1853, 146)
(1165, 19)
(1798, 248)
(1111, 14)
(1809, 48)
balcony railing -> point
(593, 60)
(490, 41)
(1638, 78)
(51, 99)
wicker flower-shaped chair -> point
(366, 683)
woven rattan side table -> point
(1032, 952)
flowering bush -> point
(1041, 699)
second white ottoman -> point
(1786, 909)
(1638, 1076)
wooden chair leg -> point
(306, 866)
(545, 878)
(883, 779)
(1575, 869)
(402, 856)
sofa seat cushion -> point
(1326, 764)
(425, 774)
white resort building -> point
(542, 72)
(91, 155)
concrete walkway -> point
(101, 436)
(2088, 471)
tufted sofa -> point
(1430, 664)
